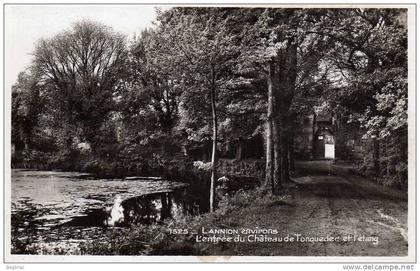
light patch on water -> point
(117, 212)
(157, 204)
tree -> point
(199, 44)
(149, 104)
(28, 104)
(82, 68)
(374, 80)
(290, 56)
(153, 81)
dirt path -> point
(373, 217)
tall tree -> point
(82, 68)
(370, 54)
(202, 48)
(153, 81)
(291, 58)
(151, 97)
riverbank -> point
(322, 215)
(179, 237)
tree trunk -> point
(291, 153)
(214, 149)
(287, 62)
(269, 133)
(284, 150)
(314, 130)
(238, 155)
(277, 156)
(376, 165)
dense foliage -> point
(203, 79)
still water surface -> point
(44, 201)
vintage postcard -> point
(209, 133)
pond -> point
(49, 206)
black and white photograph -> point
(209, 132)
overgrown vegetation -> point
(202, 77)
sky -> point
(26, 24)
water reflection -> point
(144, 209)
(62, 198)
(116, 213)
(155, 207)
(49, 206)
